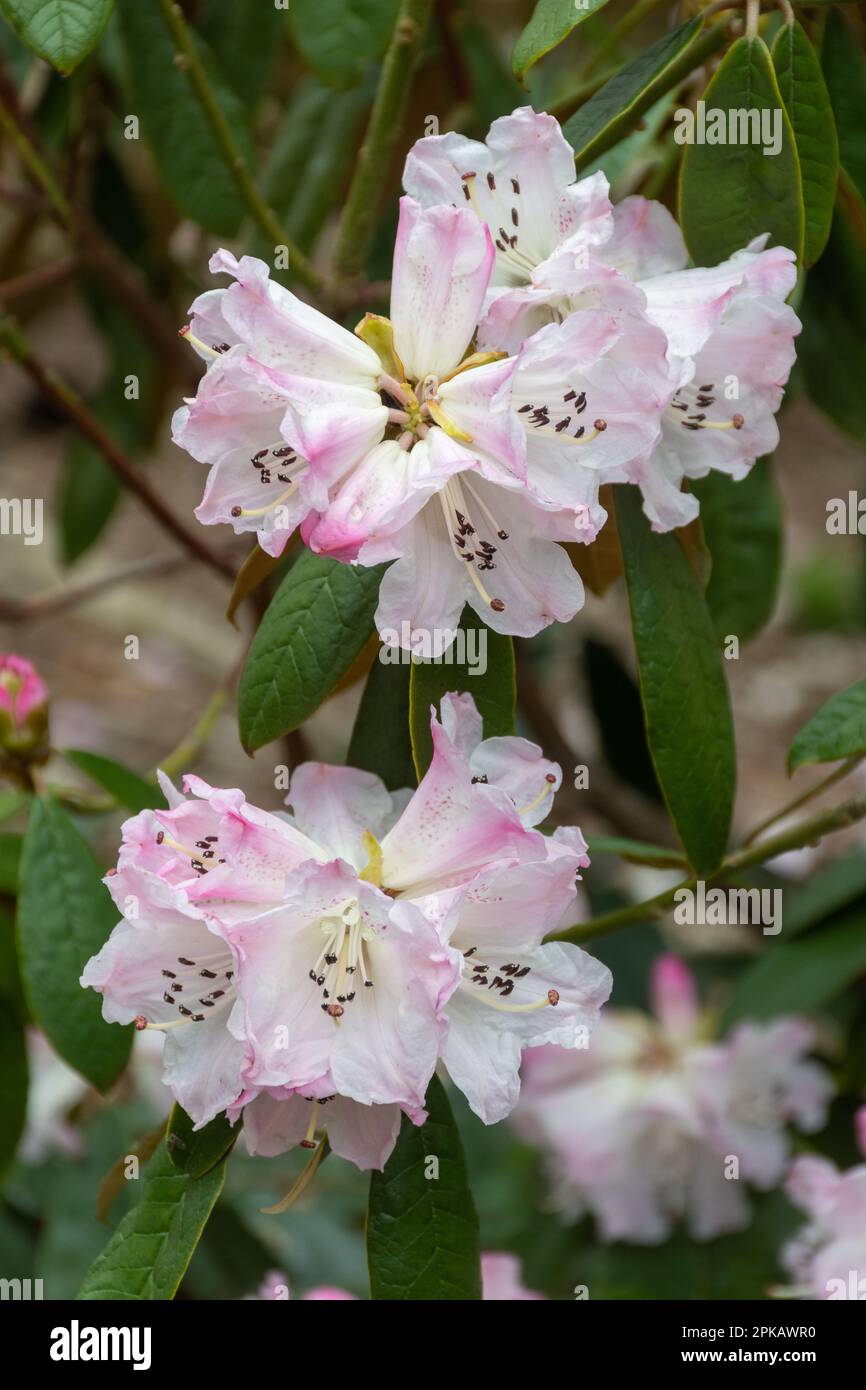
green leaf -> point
(838, 730)
(683, 689)
(825, 894)
(803, 975)
(89, 493)
(339, 37)
(192, 168)
(834, 330)
(311, 153)
(314, 628)
(13, 1083)
(616, 107)
(380, 740)
(64, 916)
(422, 1233)
(61, 31)
(126, 787)
(845, 73)
(493, 689)
(11, 801)
(551, 22)
(148, 1254)
(494, 89)
(245, 37)
(742, 524)
(636, 851)
(804, 91)
(733, 192)
(195, 1152)
(10, 863)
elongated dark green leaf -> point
(730, 193)
(126, 787)
(743, 530)
(338, 37)
(422, 1232)
(10, 861)
(61, 31)
(195, 1152)
(845, 73)
(12, 801)
(832, 888)
(245, 37)
(315, 626)
(805, 974)
(380, 740)
(636, 851)
(487, 674)
(838, 730)
(834, 329)
(64, 917)
(311, 153)
(13, 1083)
(495, 90)
(190, 164)
(616, 107)
(804, 92)
(89, 494)
(683, 689)
(148, 1254)
(551, 22)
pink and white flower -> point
(459, 860)
(642, 1127)
(828, 1257)
(562, 248)
(311, 970)
(401, 443)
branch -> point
(64, 399)
(43, 278)
(190, 63)
(359, 214)
(25, 610)
(95, 248)
(808, 832)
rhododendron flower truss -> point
(639, 1128)
(401, 442)
(562, 247)
(455, 891)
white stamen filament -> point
(537, 800)
(517, 258)
(550, 1000)
(197, 342)
(271, 506)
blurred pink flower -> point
(654, 1123)
(828, 1257)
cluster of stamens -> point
(342, 958)
(538, 418)
(697, 419)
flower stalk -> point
(807, 832)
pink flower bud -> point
(23, 712)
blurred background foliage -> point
(99, 273)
